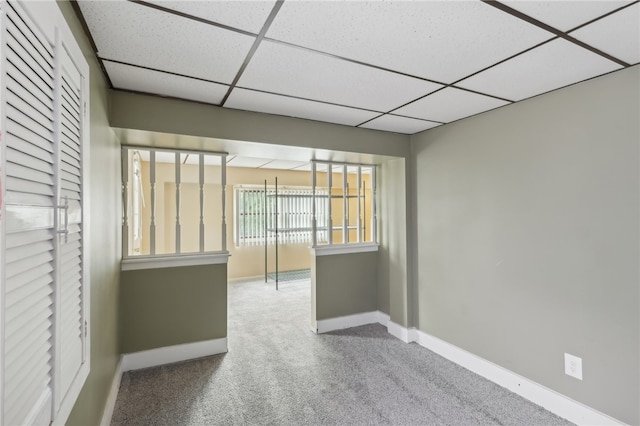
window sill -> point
(331, 249)
(173, 261)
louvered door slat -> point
(20, 78)
(14, 56)
(29, 109)
(23, 351)
(38, 42)
(23, 265)
(71, 160)
(22, 251)
(18, 157)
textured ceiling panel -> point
(247, 162)
(565, 15)
(245, 15)
(450, 104)
(296, 72)
(282, 105)
(553, 65)
(139, 35)
(439, 40)
(159, 83)
(617, 34)
(394, 123)
(283, 164)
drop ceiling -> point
(397, 66)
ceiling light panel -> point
(439, 40)
(565, 15)
(397, 124)
(296, 72)
(282, 105)
(450, 104)
(245, 15)
(239, 161)
(617, 34)
(139, 35)
(548, 67)
(142, 80)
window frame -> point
(345, 246)
(177, 257)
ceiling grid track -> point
(487, 98)
(254, 47)
(561, 34)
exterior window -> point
(173, 202)
(344, 203)
(260, 212)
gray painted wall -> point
(153, 113)
(170, 306)
(528, 238)
(344, 284)
(392, 225)
(105, 252)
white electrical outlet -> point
(573, 366)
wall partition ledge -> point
(328, 250)
(173, 261)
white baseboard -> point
(553, 401)
(107, 414)
(170, 354)
(407, 335)
(348, 321)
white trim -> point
(348, 321)
(407, 335)
(173, 261)
(175, 353)
(551, 400)
(331, 249)
(67, 404)
(107, 414)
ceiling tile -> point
(548, 67)
(562, 14)
(617, 34)
(275, 104)
(139, 35)
(239, 161)
(159, 83)
(397, 124)
(297, 72)
(440, 40)
(283, 164)
(245, 15)
(450, 104)
(320, 167)
(209, 160)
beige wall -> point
(245, 261)
(528, 238)
(171, 306)
(105, 252)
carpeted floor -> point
(278, 372)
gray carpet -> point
(278, 372)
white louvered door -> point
(29, 183)
(43, 358)
(70, 318)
